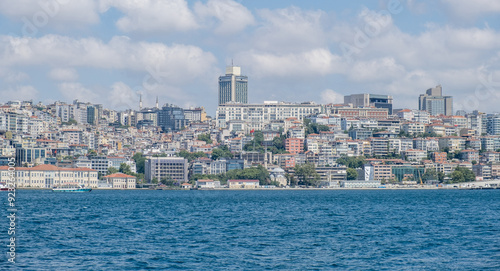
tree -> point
(125, 169)
(190, 156)
(307, 175)
(352, 162)
(221, 152)
(139, 162)
(462, 174)
(430, 174)
(112, 170)
(352, 174)
(474, 162)
(206, 138)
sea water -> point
(255, 230)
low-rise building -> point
(243, 184)
(121, 181)
(207, 184)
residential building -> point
(294, 145)
(258, 116)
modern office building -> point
(233, 87)
(435, 103)
(367, 100)
(175, 168)
(172, 118)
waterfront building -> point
(207, 184)
(370, 100)
(435, 103)
(233, 87)
(175, 168)
(121, 181)
(243, 184)
(49, 176)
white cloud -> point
(232, 16)
(122, 96)
(152, 15)
(316, 62)
(19, 92)
(469, 10)
(380, 69)
(63, 74)
(11, 76)
(72, 90)
(176, 63)
(289, 30)
(35, 14)
(329, 96)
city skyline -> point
(99, 51)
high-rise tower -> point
(233, 87)
(435, 103)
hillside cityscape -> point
(363, 143)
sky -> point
(112, 51)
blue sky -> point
(111, 51)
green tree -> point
(206, 138)
(351, 162)
(190, 156)
(125, 169)
(221, 152)
(306, 174)
(139, 162)
(112, 170)
(430, 174)
(462, 174)
(352, 174)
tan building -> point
(121, 181)
(245, 184)
(49, 176)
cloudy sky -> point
(110, 51)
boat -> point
(3, 187)
(72, 188)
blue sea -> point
(255, 230)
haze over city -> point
(111, 52)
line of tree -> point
(314, 128)
(254, 173)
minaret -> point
(157, 106)
(140, 101)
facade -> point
(30, 156)
(121, 181)
(435, 103)
(294, 145)
(367, 100)
(350, 112)
(233, 87)
(160, 168)
(243, 184)
(258, 116)
(172, 118)
(49, 176)
(207, 184)
(100, 163)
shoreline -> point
(283, 189)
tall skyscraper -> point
(233, 87)
(435, 103)
(366, 100)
